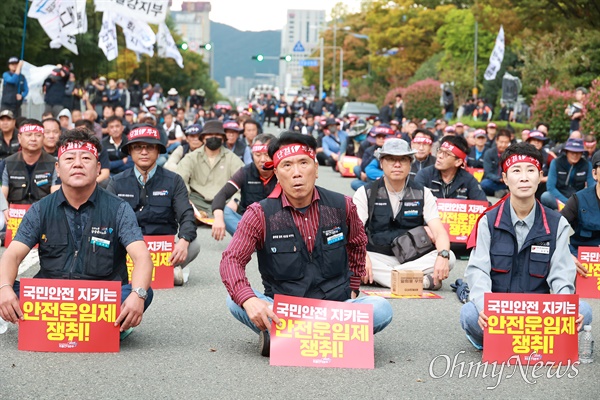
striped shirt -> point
(250, 236)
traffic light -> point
(287, 58)
(207, 46)
(183, 46)
(258, 57)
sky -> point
(263, 15)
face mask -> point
(213, 143)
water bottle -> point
(586, 345)
(3, 326)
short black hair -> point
(51, 119)
(503, 132)
(30, 121)
(424, 132)
(289, 137)
(523, 148)
(542, 124)
(457, 141)
(114, 118)
(80, 134)
(253, 122)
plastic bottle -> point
(586, 345)
(3, 326)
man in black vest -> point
(321, 256)
(389, 207)
(10, 135)
(67, 225)
(29, 174)
(253, 180)
(235, 143)
(158, 197)
(14, 87)
(543, 262)
(114, 143)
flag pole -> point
(22, 46)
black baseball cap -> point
(596, 160)
(13, 60)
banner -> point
(70, 316)
(589, 287)
(529, 328)
(322, 333)
(160, 248)
(139, 37)
(167, 48)
(107, 38)
(496, 57)
(151, 11)
(459, 217)
(476, 172)
(16, 212)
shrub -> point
(391, 95)
(422, 100)
(549, 106)
(591, 117)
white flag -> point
(133, 43)
(152, 11)
(107, 38)
(139, 30)
(166, 45)
(35, 80)
(61, 20)
(496, 57)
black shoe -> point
(264, 343)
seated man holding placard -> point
(158, 197)
(396, 206)
(309, 242)
(520, 246)
(83, 232)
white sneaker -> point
(178, 276)
(3, 326)
(186, 274)
(428, 283)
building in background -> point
(193, 24)
(299, 38)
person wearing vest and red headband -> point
(29, 174)
(68, 224)
(322, 253)
(254, 181)
(447, 178)
(158, 197)
(519, 245)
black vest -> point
(564, 184)
(525, 271)
(25, 188)
(59, 257)
(284, 262)
(114, 152)
(382, 226)
(153, 205)
(588, 222)
(253, 189)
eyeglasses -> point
(139, 147)
(394, 160)
(443, 154)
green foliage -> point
(549, 106)
(591, 118)
(429, 69)
(422, 100)
(483, 124)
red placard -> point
(322, 333)
(589, 287)
(476, 172)
(70, 316)
(530, 328)
(160, 248)
(459, 217)
(15, 216)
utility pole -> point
(321, 68)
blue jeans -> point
(125, 291)
(549, 200)
(469, 316)
(490, 187)
(232, 219)
(357, 183)
(382, 311)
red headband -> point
(31, 128)
(78, 146)
(260, 148)
(422, 139)
(455, 150)
(519, 158)
(144, 132)
(289, 151)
